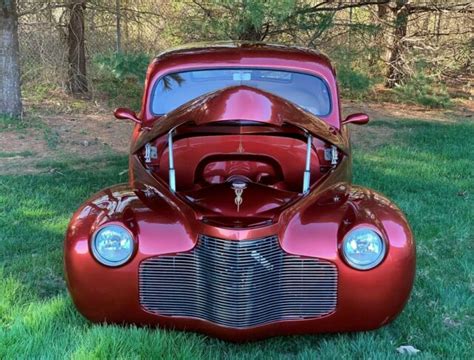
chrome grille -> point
(238, 283)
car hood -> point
(243, 103)
(217, 203)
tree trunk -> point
(438, 26)
(395, 63)
(118, 32)
(379, 38)
(77, 80)
(127, 30)
(10, 93)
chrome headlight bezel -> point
(364, 266)
(107, 261)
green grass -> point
(51, 138)
(12, 123)
(8, 154)
(426, 168)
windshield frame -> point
(265, 68)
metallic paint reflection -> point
(307, 228)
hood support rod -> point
(307, 169)
(172, 174)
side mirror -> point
(126, 114)
(358, 119)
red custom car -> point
(240, 219)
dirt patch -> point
(370, 137)
(83, 130)
(54, 137)
(20, 149)
(14, 142)
(90, 134)
(385, 110)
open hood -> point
(243, 103)
(270, 149)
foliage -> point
(433, 187)
(353, 83)
(354, 77)
(254, 20)
(38, 91)
(435, 31)
(424, 90)
(8, 122)
(124, 66)
(121, 77)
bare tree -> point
(10, 94)
(77, 79)
(395, 63)
(402, 10)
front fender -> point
(91, 283)
(374, 297)
(365, 299)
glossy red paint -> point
(267, 146)
(127, 114)
(358, 119)
(242, 55)
(228, 105)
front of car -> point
(240, 220)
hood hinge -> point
(331, 154)
(150, 153)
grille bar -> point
(238, 283)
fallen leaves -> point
(451, 323)
(408, 350)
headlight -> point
(363, 248)
(112, 245)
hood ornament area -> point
(238, 186)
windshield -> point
(307, 91)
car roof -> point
(220, 54)
(245, 47)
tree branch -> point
(340, 5)
(464, 8)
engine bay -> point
(239, 170)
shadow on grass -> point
(37, 208)
(422, 169)
(35, 212)
(421, 156)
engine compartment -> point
(269, 166)
(271, 160)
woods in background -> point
(414, 47)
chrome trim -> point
(307, 169)
(172, 173)
(238, 284)
(373, 264)
(102, 260)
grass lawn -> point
(427, 168)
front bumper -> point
(364, 301)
